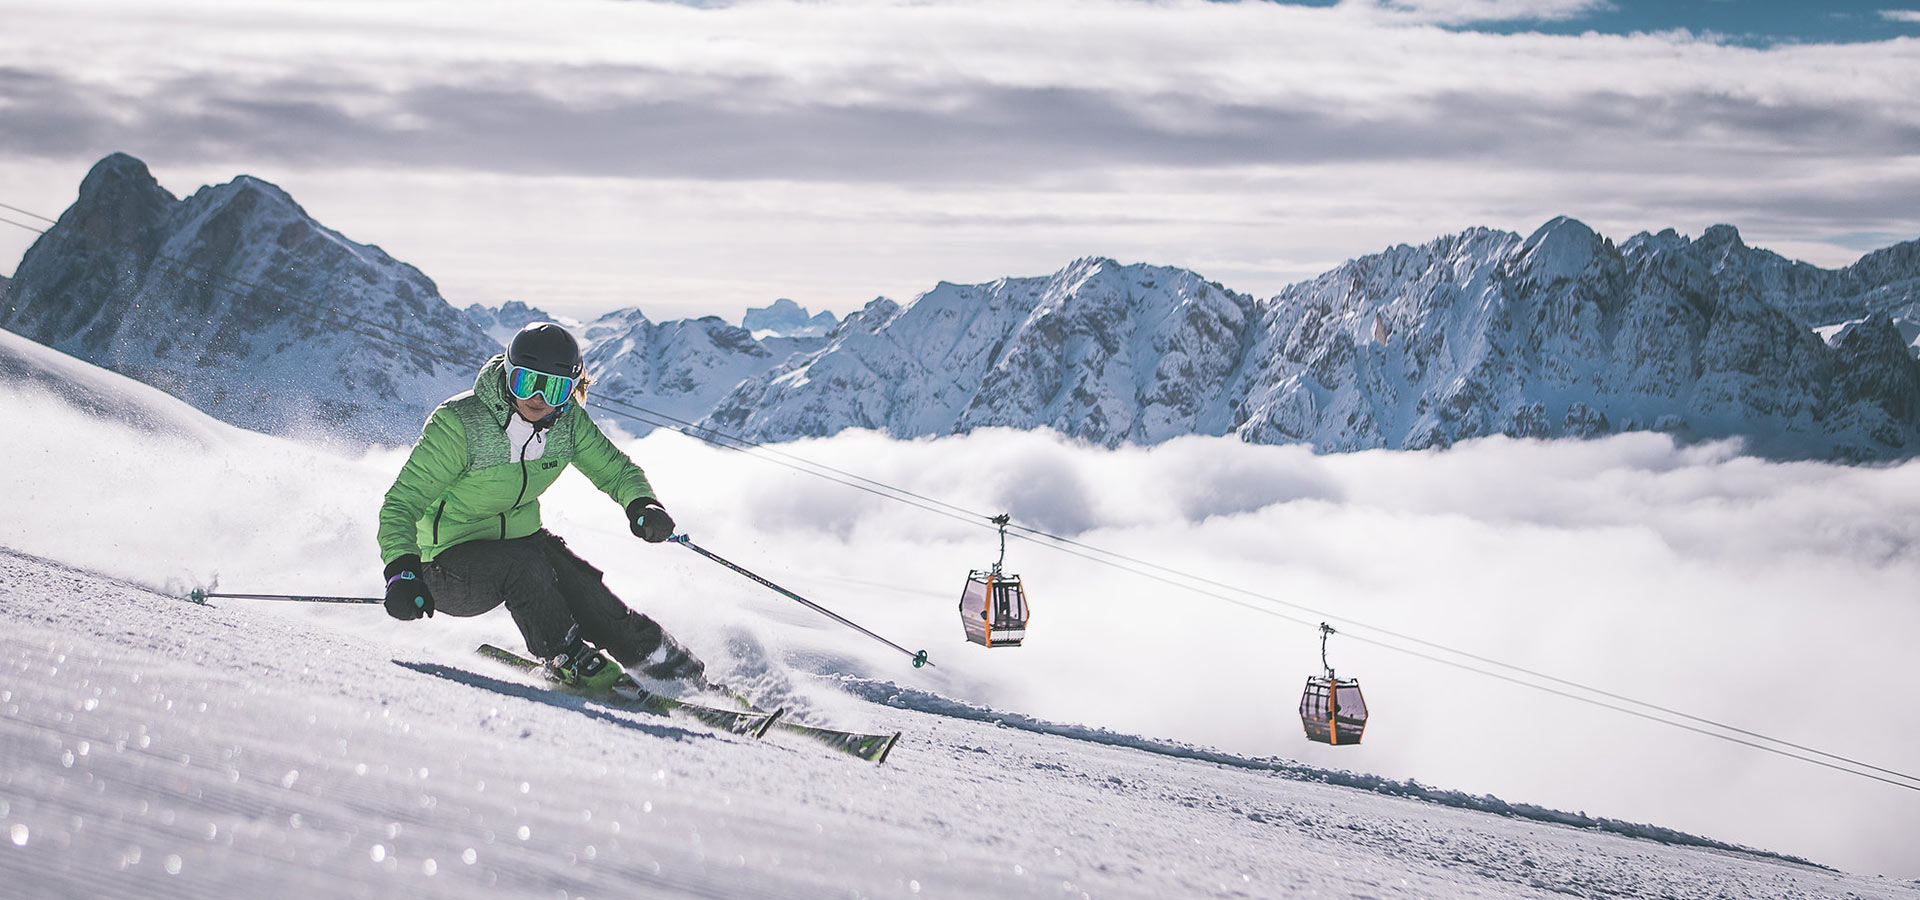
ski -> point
(870, 747)
(626, 693)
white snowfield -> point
(159, 749)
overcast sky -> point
(697, 159)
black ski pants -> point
(549, 590)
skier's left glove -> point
(649, 520)
(407, 594)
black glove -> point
(407, 594)
(649, 520)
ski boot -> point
(583, 668)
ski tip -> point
(887, 749)
(767, 725)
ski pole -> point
(199, 596)
(919, 658)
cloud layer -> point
(1186, 133)
(940, 92)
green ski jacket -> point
(461, 482)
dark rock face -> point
(235, 300)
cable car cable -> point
(882, 488)
(612, 405)
(31, 214)
(1463, 653)
(1481, 659)
(1915, 786)
(1518, 681)
(1059, 543)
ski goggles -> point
(524, 383)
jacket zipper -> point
(524, 478)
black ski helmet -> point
(545, 347)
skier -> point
(460, 529)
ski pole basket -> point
(1332, 710)
(993, 606)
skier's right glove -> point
(407, 594)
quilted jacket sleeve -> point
(438, 458)
(605, 465)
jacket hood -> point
(490, 386)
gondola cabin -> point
(993, 609)
(993, 606)
(1332, 709)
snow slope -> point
(161, 750)
(156, 748)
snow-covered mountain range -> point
(239, 302)
(1557, 334)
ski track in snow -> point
(155, 748)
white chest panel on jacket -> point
(524, 442)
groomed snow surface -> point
(158, 748)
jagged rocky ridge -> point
(1559, 334)
(235, 300)
(672, 373)
(1099, 351)
(677, 369)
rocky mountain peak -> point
(257, 195)
(238, 302)
(1721, 239)
(1898, 264)
(503, 322)
(119, 200)
(787, 318)
(118, 174)
(1564, 248)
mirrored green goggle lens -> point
(524, 383)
